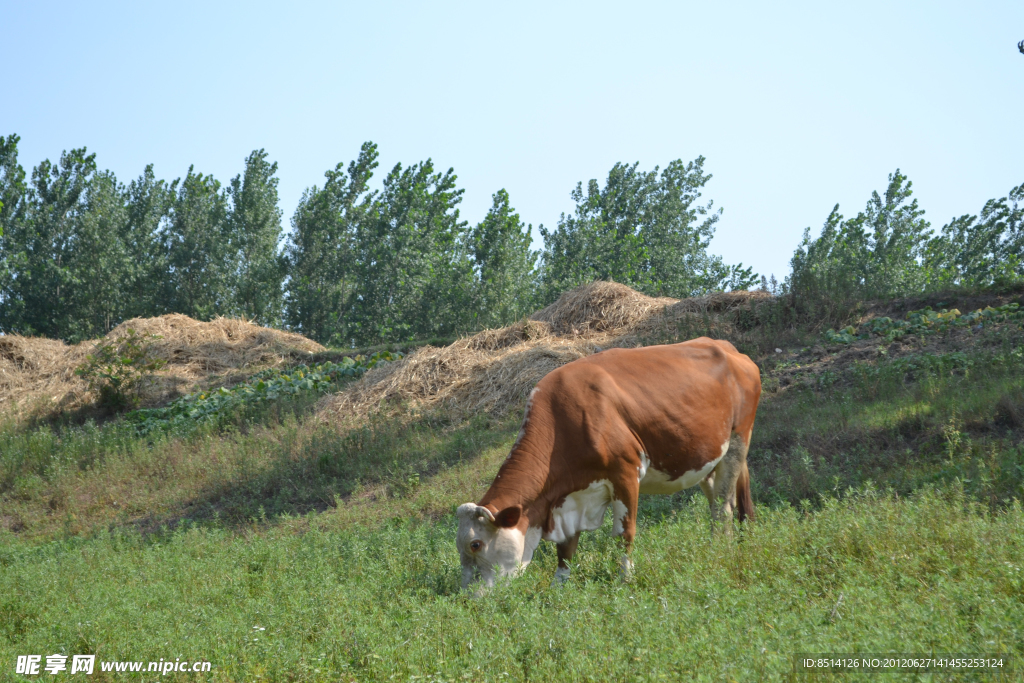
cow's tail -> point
(744, 503)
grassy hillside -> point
(282, 546)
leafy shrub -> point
(116, 369)
(265, 386)
(924, 321)
(847, 335)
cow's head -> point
(491, 544)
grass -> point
(867, 574)
(902, 423)
(275, 463)
(889, 521)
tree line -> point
(889, 249)
(81, 252)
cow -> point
(603, 429)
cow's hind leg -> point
(726, 475)
(565, 552)
(624, 505)
(708, 487)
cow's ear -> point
(509, 517)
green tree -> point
(320, 253)
(146, 280)
(832, 266)
(878, 253)
(643, 229)
(255, 230)
(414, 274)
(14, 192)
(505, 265)
(898, 235)
(99, 262)
(74, 263)
(198, 254)
(979, 252)
(47, 280)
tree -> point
(99, 261)
(414, 274)
(320, 254)
(79, 260)
(975, 252)
(644, 230)
(13, 190)
(370, 267)
(146, 281)
(878, 253)
(1008, 213)
(255, 230)
(13, 199)
(198, 256)
(46, 282)
(505, 265)
(898, 236)
(678, 260)
(832, 266)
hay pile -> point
(36, 371)
(600, 307)
(461, 377)
(38, 374)
(495, 370)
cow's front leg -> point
(627, 496)
(565, 552)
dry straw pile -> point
(494, 370)
(38, 375)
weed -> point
(269, 385)
(925, 321)
(116, 369)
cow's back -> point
(677, 405)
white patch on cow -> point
(657, 481)
(561, 576)
(530, 544)
(641, 471)
(526, 418)
(510, 545)
(582, 511)
(619, 513)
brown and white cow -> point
(602, 430)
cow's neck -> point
(523, 477)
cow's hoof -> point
(561, 578)
(626, 569)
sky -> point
(796, 106)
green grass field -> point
(867, 574)
(282, 549)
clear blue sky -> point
(796, 107)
